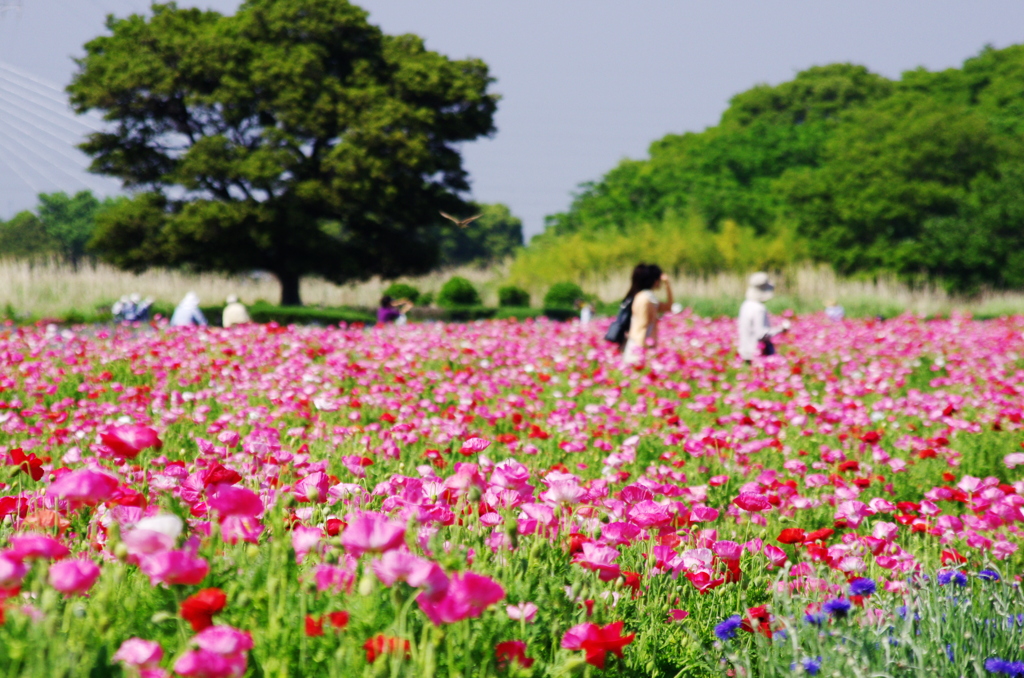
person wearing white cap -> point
(187, 312)
(755, 329)
(234, 313)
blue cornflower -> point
(989, 575)
(997, 665)
(949, 652)
(816, 619)
(952, 577)
(811, 666)
(862, 586)
(727, 629)
(837, 607)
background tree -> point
(292, 137)
(69, 222)
(25, 237)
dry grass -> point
(43, 289)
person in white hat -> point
(234, 313)
(755, 329)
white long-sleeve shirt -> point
(753, 327)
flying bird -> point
(463, 222)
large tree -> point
(292, 137)
(69, 221)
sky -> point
(584, 83)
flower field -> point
(501, 498)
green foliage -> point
(403, 291)
(918, 177)
(510, 295)
(25, 237)
(676, 243)
(563, 295)
(426, 299)
(493, 237)
(69, 222)
(292, 136)
(458, 292)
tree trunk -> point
(289, 289)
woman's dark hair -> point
(645, 276)
(385, 301)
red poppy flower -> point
(314, 626)
(338, 620)
(512, 651)
(380, 645)
(199, 608)
(792, 535)
(30, 464)
(820, 535)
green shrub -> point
(563, 295)
(458, 292)
(510, 295)
(403, 291)
(426, 299)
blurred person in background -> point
(235, 313)
(834, 311)
(393, 310)
(646, 309)
(187, 312)
(755, 330)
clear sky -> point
(584, 82)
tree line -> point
(920, 176)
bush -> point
(458, 292)
(510, 295)
(563, 295)
(403, 291)
(426, 299)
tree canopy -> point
(292, 136)
(919, 176)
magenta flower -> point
(474, 445)
(32, 546)
(74, 577)
(400, 565)
(223, 640)
(12, 570)
(139, 653)
(372, 532)
(206, 664)
(468, 596)
(752, 502)
(174, 567)
(312, 488)
(304, 540)
(234, 529)
(127, 441)
(229, 500)
(523, 611)
(88, 487)
(598, 557)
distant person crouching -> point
(235, 313)
(187, 312)
(755, 330)
(834, 311)
(393, 310)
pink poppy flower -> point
(474, 445)
(312, 488)
(229, 500)
(234, 529)
(523, 611)
(32, 546)
(73, 577)
(88, 487)
(139, 653)
(12, 570)
(400, 565)
(128, 440)
(206, 664)
(468, 596)
(153, 535)
(752, 502)
(598, 557)
(372, 532)
(597, 641)
(304, 540)
(223, 640)
(174, 567)
(677, 615)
